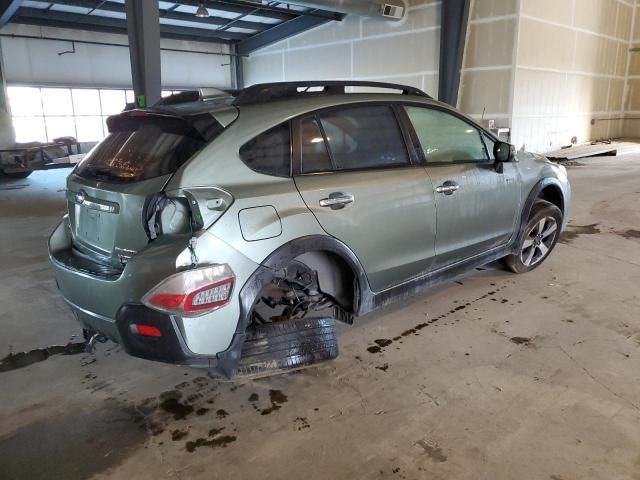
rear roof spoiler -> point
(204, 124)
(200, 95)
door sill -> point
(421, 284)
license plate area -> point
(95, 230)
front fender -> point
(563, 188)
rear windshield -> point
(139, 148)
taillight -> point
(192, 292)
(209, 297)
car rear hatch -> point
(112, 187)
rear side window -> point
(269, 152)
(139, 148)
(363, 137)
(445, 138)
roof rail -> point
(266, 92)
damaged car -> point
(230, 232)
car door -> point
(476, 204)
(356, 174)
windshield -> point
(139, 148)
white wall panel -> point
(311, 63)
(357, 48)
(31, 61)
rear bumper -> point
(109, 302)
(169, 347)
(95, 292)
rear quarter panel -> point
(219, 164)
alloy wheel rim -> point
(538, 241)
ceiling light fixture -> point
(202, 11)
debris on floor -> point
(582, 151)
(14, 186)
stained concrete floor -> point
(531, 377)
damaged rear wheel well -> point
(335, 277)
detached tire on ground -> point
(17, 175)
(540, 236)
(293, 344)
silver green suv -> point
(228, 231)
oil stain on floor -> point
(382, 343)
(629, 234)
(574, 231)
(74, 445)
(14, 361)
(433, 451)
(215, 440)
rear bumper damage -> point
(109, 302)
(167, 346)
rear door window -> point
(445, 138)
(269, 152)
(140, 148)
(363, 137)
(314, 153)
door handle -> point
(448, 188)
(336, 200)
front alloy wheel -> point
(540, 236)
(539, 241)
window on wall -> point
(43, 114)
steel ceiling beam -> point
(4, 104)
(453, 34)
(242, 8)
(269, 11)
(35, 16)
(8, 9)
(168, 14)
(143, 27)
(280, 32)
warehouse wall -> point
(36, 62)
(488, 66)
(366, 49)
(632, 104)
(550, 69)
(571, 71)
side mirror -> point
(504, 152)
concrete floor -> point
(538, 378)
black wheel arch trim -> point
(228, 360)
(534, 194)
(282, 256)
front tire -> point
(540, 237)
